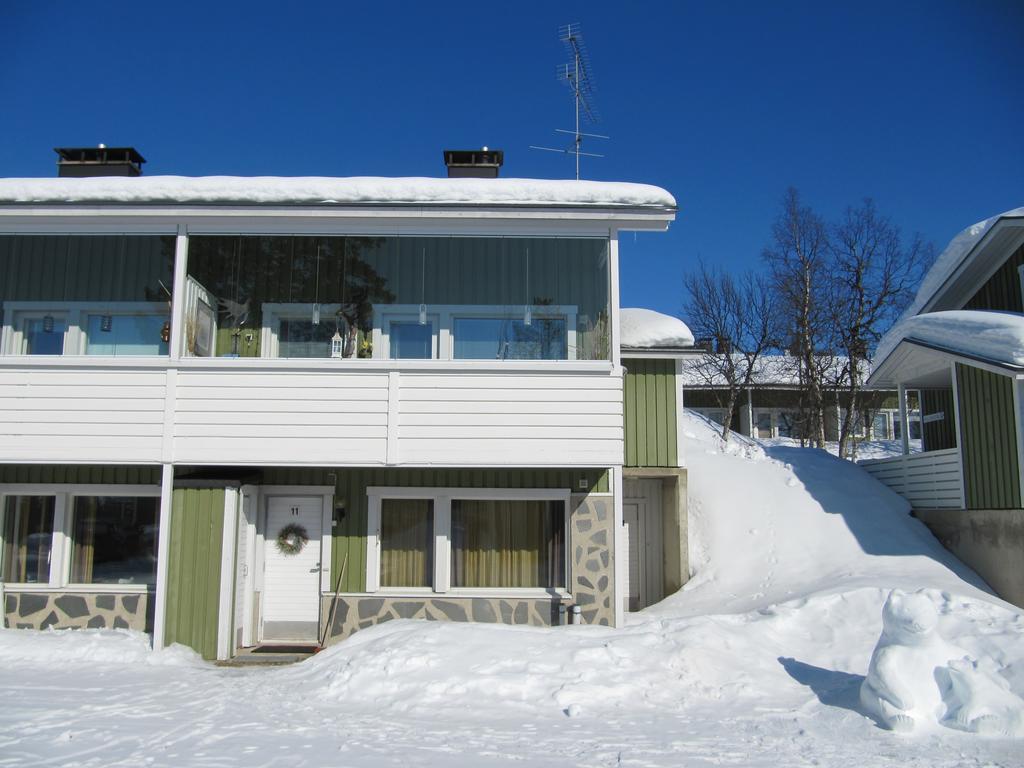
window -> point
(114, 540)
(507, 544)
(509, 338)
(85, 294)
(406, 543)
(43, 335)
(466, 540)
(116, 335)
(63, 536)
(540, 298)
(27, 539)
(411, 341)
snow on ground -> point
(757, 662)
(327, 190)
(866, 449)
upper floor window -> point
(470, 298)
(85, 294)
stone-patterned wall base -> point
(65, 610)
(352, 613)
(591, 536)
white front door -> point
(291, 579)
(642, 519)
(631, 517)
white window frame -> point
(442, 500)
(63, 530)
(76, 314)
(275, 312)
(382, 331)
(445, 316)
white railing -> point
(375, 413)
(932, 480)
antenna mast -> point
(576, 74)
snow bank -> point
(996, 336)
(340, 191)
(645, 328)
(76, 646)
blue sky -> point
(917, 104)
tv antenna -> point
(576, 74)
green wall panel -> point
(349, 537)
(988, 428)
(1002, 291)
(79, 473)
(650, 413)
(941, 434)
(193, 569)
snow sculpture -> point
(901, 688)
(980, 700)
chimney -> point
(473, 163)
(78, 162)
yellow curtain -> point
(84, 539)
(406, 543)
(28, 539)
(507, 544)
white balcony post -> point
(163, 549)
(176, 346)
(904, 419)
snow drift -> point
(995, 336)
(645, 328)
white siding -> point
(513, 419)
(328, 417)
(67, 414)
(932, 480)
(281, 417)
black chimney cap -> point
(77, 162)
(473, 163)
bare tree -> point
(738, 316)
(872, 277)
(798, 260)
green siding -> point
(85, 267)
(988, 427)
(193, 569)
(938, 435)
(350, 489)
(1002, 291)
(79, 473)
(650, 413)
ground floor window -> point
(507, 544)
(78, 536)
(406, 542)
(114, 540)
(446, 539)
(28, 539)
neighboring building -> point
(654, 487)
(961, 345)
(236, 411)
(771, 407)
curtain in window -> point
(28, 539)
(84, 552)
(406, 542)
(115, 540)
(508, 544)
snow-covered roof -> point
(338, 191)
(997, 337)
(946, 265)
(769, 371)
(952, 257)
(646, 329)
